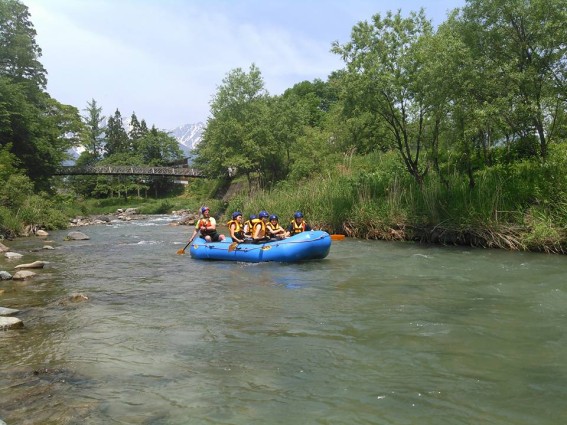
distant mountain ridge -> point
(188, 136)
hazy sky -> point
(164, 59)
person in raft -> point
(235, 227)
(297, 225)
(260, 234)
(207, 227)
(275, 231)
(249, 227)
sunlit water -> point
(376, 333)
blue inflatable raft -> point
(312, 245)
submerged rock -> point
(76, 236)
(12, 255)
(74, 298)
(23, 275)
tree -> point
(158, 148)
(19, 53)
(523, 42)
(95, 129)
(39, 129)
(117, 140)
(234, 135)
(137, 130)
(382, 78)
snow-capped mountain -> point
(188, 136)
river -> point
(376, 333)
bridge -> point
(128, 170)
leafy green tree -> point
(158, 148)
(234, 136)
(19, 53)
(317, 97)
(39, 129)
(382, 78)
(523, 43)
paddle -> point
(337, 237)
(232, 246)
(182, 250)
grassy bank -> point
(523, 207)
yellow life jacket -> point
(262, 233)
(297, 228)
(273, 227)
(248, 228)
(237, 229)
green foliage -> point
(93, 139)
(19, 53)
(15, 191)
(235, 134)
(40, 211)
(117, 141)
(383, 79)
(10, 225)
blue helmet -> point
(253, 216)
(204, 209)
(298, 214)
(263, 214)
(273, 217)
(236, 214)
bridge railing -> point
(129, 170)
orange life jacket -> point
(209, 229)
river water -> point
(376, 333)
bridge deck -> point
(129, 170)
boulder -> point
(41, 232)
(8, 311)
(23, 275)
(10, 323)
(12, 255)
(76, 236)
(4, 275)
(48, 247)
(34, 265)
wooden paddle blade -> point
(182, 250)
(232, 246)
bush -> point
(10, 225)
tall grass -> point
(523, 206)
